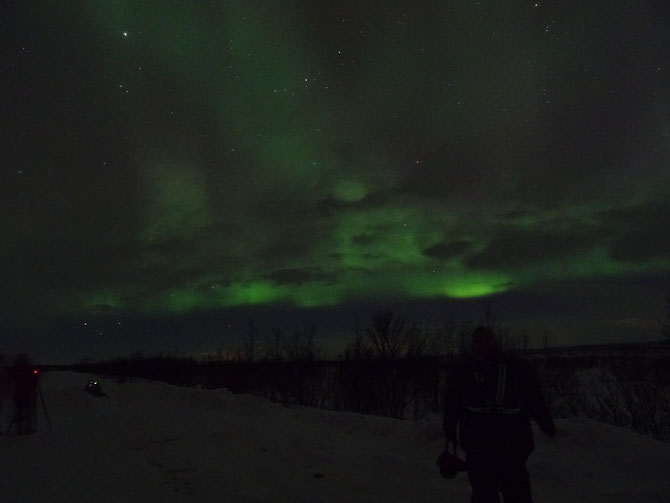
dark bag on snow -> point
(93, 388)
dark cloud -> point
(447, 249)
(514, 247)
(652, 213)
(170, 249)
(375, 198)
(364, 239)
(298, 276)
(640, 232)
(641, 246)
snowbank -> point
(153, 442)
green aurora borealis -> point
(164, 158)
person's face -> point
(483, 343)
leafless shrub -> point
(418, 342)
(301, 346)
(450, 339)
(387, 334)
(250, 344)
(630, 392)
(275, 348)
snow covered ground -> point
(152, 442)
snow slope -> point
(153, 442)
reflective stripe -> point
(502, 377)
(496, 406)
(493, 409)
(478, 377)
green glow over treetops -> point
(263, 293)
(387, 282)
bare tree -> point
(276, 347)
(251, 341)
(488, 318)
(387, 334)
(358, 348)
(301, 346)
(417, 341)
(449, 339)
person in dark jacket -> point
(24, 383)
(4, 383)
(489, 401)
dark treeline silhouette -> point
(375, 386)
(390, 367)
(399, 369)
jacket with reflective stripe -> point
(489, 406)
(495, 406)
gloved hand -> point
(450, 465)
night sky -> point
(171, 169)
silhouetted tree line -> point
(394, 368)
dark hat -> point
(450, 465)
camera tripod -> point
(34, 418)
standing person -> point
(489, 401)
(4, 383)
(24, 384)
